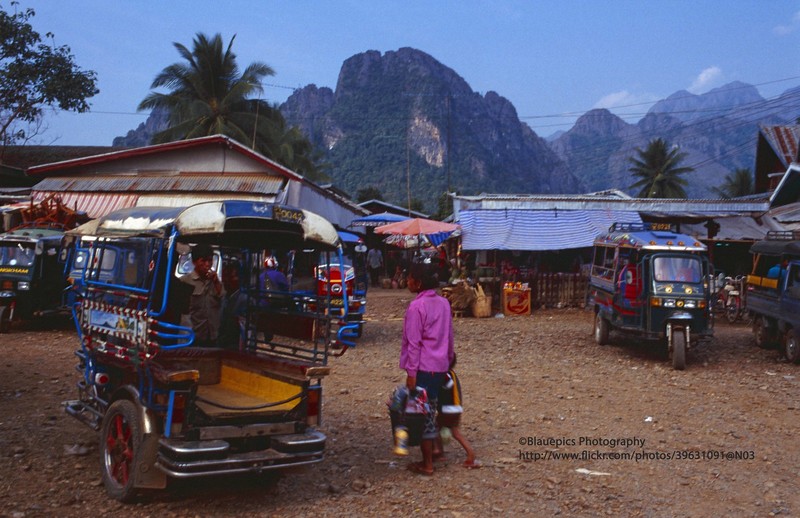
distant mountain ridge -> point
(403, 114)
(401, 121)
(717, 130)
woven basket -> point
(482, 307)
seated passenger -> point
(272, 278)
(630, 286)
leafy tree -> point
(368, 193)
(658, 169)
(738, 183)
(417, 205)
(208, 96)
(35, 75)
(444, 207)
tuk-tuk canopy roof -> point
(33, 234)
(238, 220)
(644, 236)
(778, 243)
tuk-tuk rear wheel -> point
(120, 449)
(678, 349)
(791, 349)
(761, 333)
(601, 329)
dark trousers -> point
(374, 275)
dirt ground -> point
(717, 439)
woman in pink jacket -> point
(427, 350)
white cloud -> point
(706, 79)
(625, 99)
(788, 28)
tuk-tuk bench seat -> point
(244, 390)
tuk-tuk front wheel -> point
(678, 349)
(5, 319)
(600, 329)
(120, 448)
(791, 349)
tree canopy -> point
(208, 96)
(368, 193)
(658, 170)
(35, 75)
(737, 183)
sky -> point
(553, 60)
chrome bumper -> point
(186, 459)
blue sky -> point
(552, 59)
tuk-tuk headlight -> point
(691, 304)
(23, 285)
(669, 303)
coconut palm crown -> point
(658, 169)
(208, 96)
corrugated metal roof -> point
(787, 214)
(234, 183)
(93, 204)
(705, 208)
(185, 200)
(219, 140)
(783, 140)
(734, 228)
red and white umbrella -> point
(412, 233)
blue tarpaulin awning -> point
(376, 220)
(349, 237)
(536, 230)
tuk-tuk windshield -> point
(677, 269)
(17, 254)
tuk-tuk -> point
(773, 292)
(168, 405)
(31, 278)
(650, 281)
(335, 279)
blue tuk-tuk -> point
(651, 281)
(168, 406)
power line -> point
(650, 103)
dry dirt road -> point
(562, 426)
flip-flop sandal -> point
(417, 467)
(472, 465)
(440, 458)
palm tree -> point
(208, 96)
(738, 183)
(658, 171)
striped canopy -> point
(537, 230)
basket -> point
(482, 307)
(415, 423)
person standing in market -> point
(375, 263)
(207, 292)
(427, 350)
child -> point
(449, 417)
